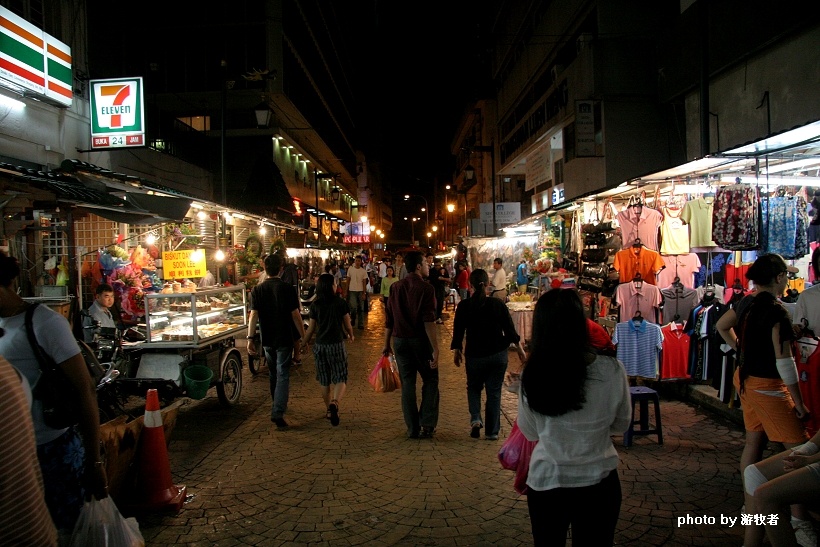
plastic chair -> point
(643, 395)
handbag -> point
(591, 227)
(594, 255)
(595, 270)
(515, 455)
(60, 401)
(595, 239)
(592, 284)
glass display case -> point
(191, 319)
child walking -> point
(330, 320)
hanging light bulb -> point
(150, 239)
(219, 255)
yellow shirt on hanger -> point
(698, 215)
(674, 233)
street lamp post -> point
(412, 229)
(450, 208)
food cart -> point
(192, 329)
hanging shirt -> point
(678, 301)
(638, 343)
(784, 226)
(675, 355)
(641, 225)
(640, 260)
(674, 233)
(808, 308)
(632, 298)
(735, 217)
(681, 266)
(697, 214)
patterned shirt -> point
(735, 217)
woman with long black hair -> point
(571, 400)
(490, 331)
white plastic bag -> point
(101, 525)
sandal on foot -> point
(333, 409)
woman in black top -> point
(759, 329)
(490, 331)
(330, 320)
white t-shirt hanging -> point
(674, 233)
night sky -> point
(419, 66)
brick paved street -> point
(364, 483)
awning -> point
(163, 207)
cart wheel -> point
(230, 385)
(256, 362)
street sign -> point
(117, 113)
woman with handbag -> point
(69, 456)
(571, 400)
(490, 331)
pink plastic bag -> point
(515, 455)
(385, 375)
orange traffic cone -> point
(156, 490)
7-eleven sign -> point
(117, 113)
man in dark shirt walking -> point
(275, 308)
(411, 315)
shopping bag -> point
(385, 375)
(101, 525)
(515, 455)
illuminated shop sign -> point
(117, 113)
(33, 60)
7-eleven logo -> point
(116, 106)
(118, 94)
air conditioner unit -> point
(556, 72)
(583, 41)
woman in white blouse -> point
(571, 401)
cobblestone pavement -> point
(364, 483)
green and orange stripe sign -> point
(34, 60)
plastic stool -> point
(450, 298)
(643, 395)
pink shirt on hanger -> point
(682, 266)
(632, 298)
(643, 226)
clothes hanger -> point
(637, 243)
(638, 317)
(637, 280)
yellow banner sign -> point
(182, 264)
